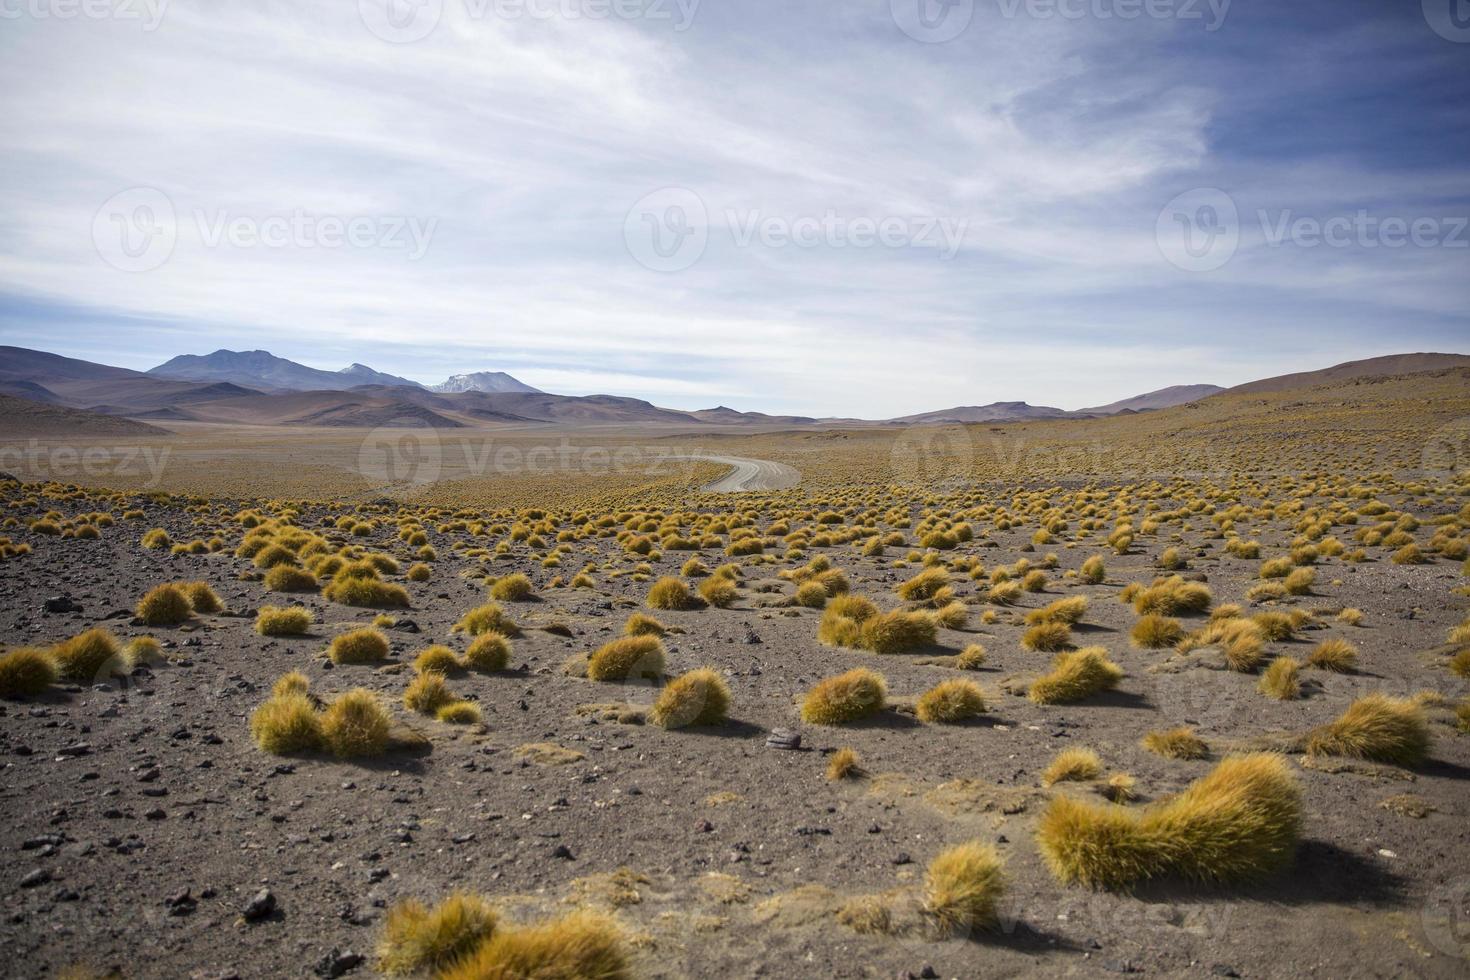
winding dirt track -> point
(751, 474)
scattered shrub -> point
(1240, 821)
(366, 593)
(427, 693)
(671, 594)
(897, 631)
(84, 657)
(1153, 631)
(286, 724)
(422, 940)
(852, 696)
(844, 764)
(436, 659)
(1338, 656)
(1076, 675)
(1072, 765)
(1377, 728)
(951, 701)
(629, 657)
(359, 646)
(288, 578)
(580, 945)
(164, 605)
(283, 621)
(25, 672)
(459, 713)
(489, 618)
(1176, 743)
(971, 657)
(700, 697)
(356, 724)
(1047, 638)
(1281, 680)
(512, 588)
(963, 887)
(489, 652)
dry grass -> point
(1072, 765)
(283, 621)
(164, 605)
(671, 594)
(1153, 632)
(84, 658)
(1239, 822)
(1176, 743)
(487, 653)
(950, 702)
(1172, 596)
(486, 619)
(356, 725)
(641, 624)
(629, 657)
(963, 886)
(287, 724)
(25, 672)
(418, 940)
(700, 697)
(847, 697)
(844, 764)
(1047, 638)
(972, 657)
(1067, 612)
(359, 646)
(1338, 656)
(1377, 728)
(427, 693)
(580, 946)
(1281, 680)
(898, 631)
(436, 659)
(459, 713)
(515, 587)
(1075, 676)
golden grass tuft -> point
(1281, 680)
(459, 713)
(1172, 596)
(844, 764)
(515, 587)
(1068, 612)
(1153, 632)
(356, 724)
(812, 595)
(164, 605)
(1176, 743)
(898, 631)
(487, 653)
(1072, 766)
(1075, 676)
(1047, 637)
(719, 591)
(84, 657)
(417, 939)
(1377, 728)
(950, 702)
(427, 693)
(283, 620)
(288, 578)
(286, 724)
(963, 886)
(641, 624)
(842, 621)
(923, 585)
(1338, 656)
(700, 697)
(629, 657)
(579, 946)
(25, 672)
(292, 682)
(1241, 641)
(366, 593)
(852, 696)
(971, 657)
(669, 593)
(202, 597)
(436, 659)
(1093, 571)
(359, 646)
(486, 619)
(1238, 822)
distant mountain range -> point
(258, 388)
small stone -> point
(562, 851)
(35, 878)
(1224, 970)
(262, 905)
(902, 857)
(336, 963)
(783, 738)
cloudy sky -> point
(866, 208)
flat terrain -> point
(142, 819)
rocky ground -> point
(148, 835)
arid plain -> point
(1180, 693)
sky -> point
(862, 209)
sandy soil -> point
(142, 821)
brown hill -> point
(22, 417)
(1390, 365)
